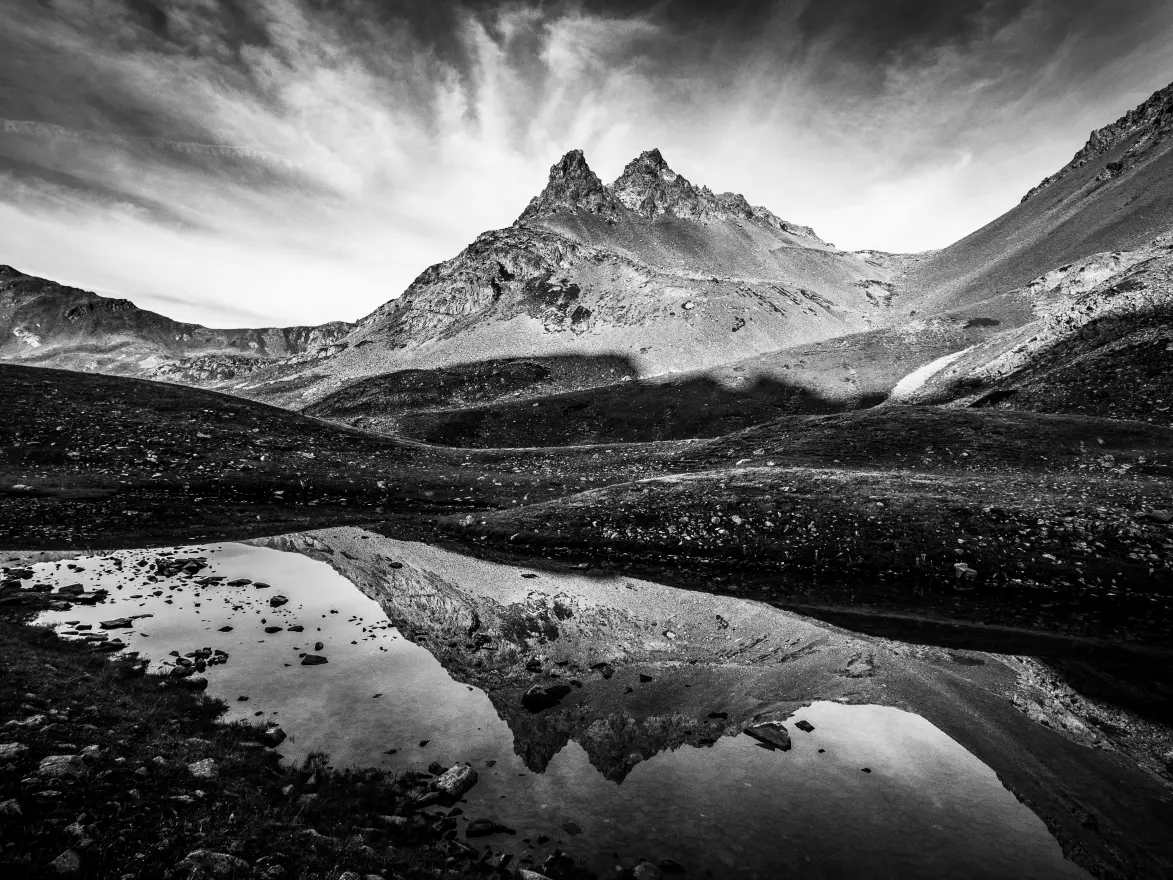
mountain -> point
(1113, 195)
(43, 323)
(650, 268)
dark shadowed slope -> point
(48, 324)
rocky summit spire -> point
(650, 188)
(572, 187)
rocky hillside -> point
(1113, 195)
(1099, 342)
(43, 323)
(651, 268)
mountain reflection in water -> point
(432, 655)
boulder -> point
(205, 769)
(68, 864)
(485, 827)
(12, 751)
(538, 698)
(804, 725)
(62, 766)
(278, 601)
(771, 733)
(272, 737)
(456, 781)
(313, 660)
(647, 871)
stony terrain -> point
(1100, 342)
(106, 771)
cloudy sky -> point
(256, 162)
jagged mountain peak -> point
(572, 186)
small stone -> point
(313, 660)
(278, 601)
(804, 725)
(205, 769)
(571, 828)
(273, 629)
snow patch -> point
(27, 337)
(914, 380)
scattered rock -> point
(571, 828)
(117, 623)
(647, 871)
(671, 866)
(278, 601)
(272, 737)
(11, 809)
(456, 781)
(273, 629)
(804, 725)
(313, 659)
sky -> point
(279, 162)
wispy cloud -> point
(288, 161)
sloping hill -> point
(43, 323)
(1113, 195)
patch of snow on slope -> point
(914, 380)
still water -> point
(607, 781)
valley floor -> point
(983, 529)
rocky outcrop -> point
(648, 188)
(1146, 125)
(573, 187)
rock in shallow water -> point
(772, 733)
(456, 781)
(538, 698)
